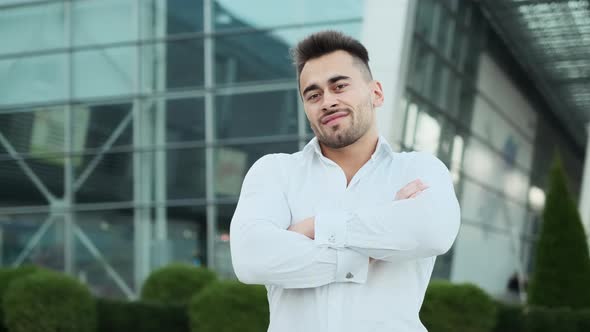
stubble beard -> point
(337, 138)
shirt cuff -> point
(352, 266)
(330, 229)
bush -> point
(176, 283)
(551, 320)
(509, 318)
(561, 277)
(124, 316)
(228, 306)
(465, 308)
(49, 302)
(7, 275)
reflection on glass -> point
(223, 264)
(185, 118)
(104, 72)
(88, 21)
(423, 61)
(428, 131)
(173, 65)
(232, 163)
(111, 234)
(102, 125)
(23, 191)
(104, 177)
(424, 15)
(160, 18)
(256, 114)
(19, 229)
(187, 234)
(33, 79)
(410, 127)
(185, 173)
(230, 14)
(29, 28)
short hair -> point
(328, 41)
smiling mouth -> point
(333, 118)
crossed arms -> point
(266, 249)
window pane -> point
(223, 266)
(239, 14)
(173, 65)
(232, 163)
(187, 234)
(185, 118)
(256, 114)
(112, 233)
(104, 177)
(33, 79)
(428, 130)
(263, 56)
(30, 28)
(88, 21)
(185, 173)
(102, 125)
(104, 72)
(161, 18)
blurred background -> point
(127, 126)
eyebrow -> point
(331, 80)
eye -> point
(313, 96)
(340, 86)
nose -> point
(330, 101)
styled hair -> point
(328, 41)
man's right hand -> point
(411, 190)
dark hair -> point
(328, 41)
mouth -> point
(333, 118)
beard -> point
(340, 136)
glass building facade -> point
(126, 126)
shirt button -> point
(331, 239)
(349, 276)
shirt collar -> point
(383, 147)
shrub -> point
(561, 277)
(509, 318)
(450, 307)
(228, 306)
(551, 320)
(124, 316)
(176, 283)
(7, 275)
(49, 302)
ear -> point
(377, 94)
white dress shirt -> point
(328, 284)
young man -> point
(344, 233)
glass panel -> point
(263, 56)
(232, 163)
(102, 125)
(104, 177)
(187, 234)
(423, 61)
(111, 233)
(104, 72)
(18, 230)
(185, 118)
(256, 114)
(88, 21)
(223, 264)
(444, 32)
(185, 173)
(39, 131)
(428, 130)
(30, 28)
(424, 18)
(239, 14)
(23, 191)
(173, 65)
(161, 18)
(33, 79)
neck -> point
(351, 158)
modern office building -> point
(126, 126)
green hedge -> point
(509, 318)
(228, 306)
(7, 275)
(176, 283)
(557, 319)
(49, 302)
(450, 308)
(125, 316)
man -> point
(344, 233)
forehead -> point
(319, 70)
